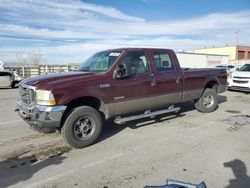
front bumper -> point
(232, 85)
(39, 116)
(238, 88)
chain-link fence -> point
(239, 63)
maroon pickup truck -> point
(115, 84)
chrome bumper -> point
(40, 116)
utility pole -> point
(237, 37)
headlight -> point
(44, 97)
(230, 76)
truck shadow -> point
(222, 99)
(18, 169)
(111, 129)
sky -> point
(69, 31)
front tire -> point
(82, 127)
(208, 101)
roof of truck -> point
(130, 49)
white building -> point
(195, 60)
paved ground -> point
(195, 147)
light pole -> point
(237, 37)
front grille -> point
(240, 81)
(27, 94)
(241, 77)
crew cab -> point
(122, 84)
(240, 80)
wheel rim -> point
(208, 101)
(84, 128)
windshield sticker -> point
(116, 54)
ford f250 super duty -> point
(115, 84)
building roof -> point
(245, 46)
(200, 54)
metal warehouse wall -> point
(227, 50)
(192, 60)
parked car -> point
(115, 84)
(229, 68)
(9, 79)
(240, 79)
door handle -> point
(178, 79)
(153, 83)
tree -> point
(31, 59)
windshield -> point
(99, 62)
(245, 67)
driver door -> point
(132, 93)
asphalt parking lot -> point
(193, 147)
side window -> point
(5, 74)
(163, 62)
(136, 62)
(8, 74)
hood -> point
(241, 73)
(52, 80)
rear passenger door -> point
(168, 78)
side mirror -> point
(120, 71)
(237, 69)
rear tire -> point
(82, 127)
(14, 84)
(208, 101)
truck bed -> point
(194, 80)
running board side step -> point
(148, 113)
